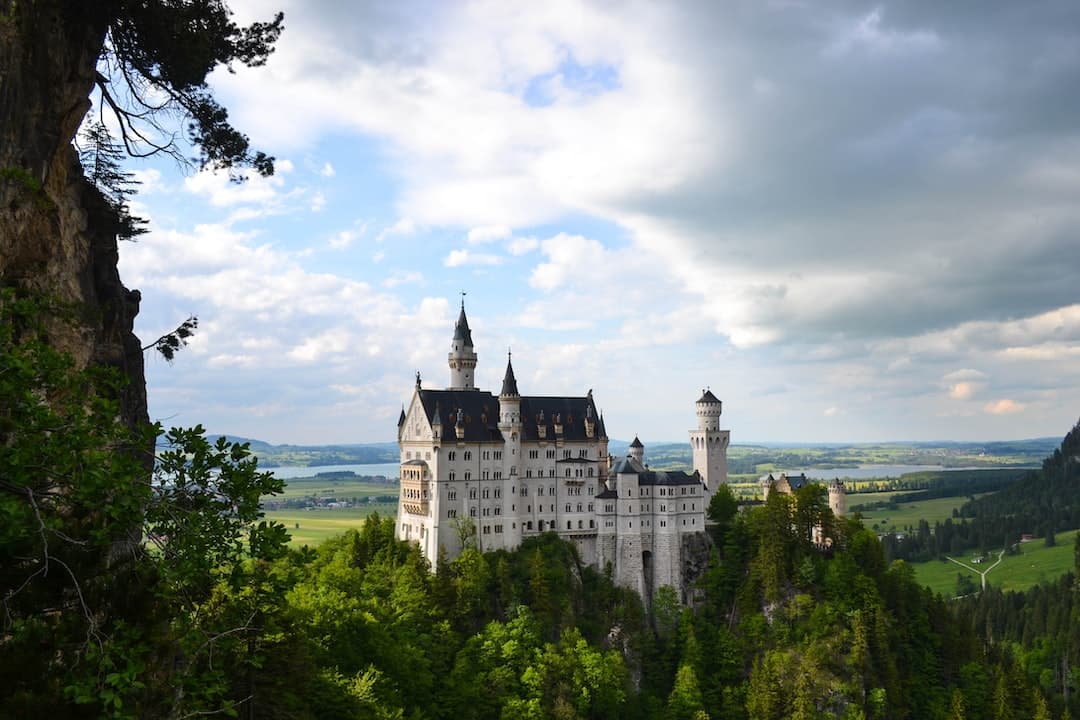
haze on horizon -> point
(854, 222)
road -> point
(982, 574)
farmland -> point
(1034, 564)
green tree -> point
(685, 702)
(957, 709)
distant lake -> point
(389, 470)
(866, 472)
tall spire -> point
(461, 328)
(462, 357)
(509, 386)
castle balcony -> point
(415, 476)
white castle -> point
(492, 470)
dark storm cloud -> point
(902, 141)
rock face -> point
(57, 235)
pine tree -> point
(101, 157)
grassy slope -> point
(1036, 563)
(341, 489)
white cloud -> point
(327, 170)
(318, 202)
(522, 245)
(342, 239)
(462, 256)
(404, 226)
(1003, 407)
(487, 233)
(402, 277)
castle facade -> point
(491, 470)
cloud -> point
(487, 233)
(342, 239)
(327, 170)
(403, 226)
(522, 245)
(1002, 407)
(460, 257)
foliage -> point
(154, 64)
(101, 159)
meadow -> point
(906, 515)
(1036, 563)
(311, 527)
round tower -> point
(462, 358)
(637, 450)
(708, 410)
(837, 497)
(709, 443)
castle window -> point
(540, 490)
(452, 455)
(590, 474)
(498, 528)
(540, 525)
(486, 511)
(524, 491)
(451, 513)
(513, 507)
(528, 473)
(528, 525)
(567, 507)
(566, 454)
(551, 472)
(528, 508)
(498, 454)
(487, 529)
(485, 474)
(452, 476)
(663, 523)
(580, 524)
(498, 510)
(498, 474)
(534, 454)
(472, 512)
(451, 495)
(567, 472)
(590, 507)
(487, 455)
(568, 526)
(592, 524)
(551, 454)
(579, 507)
(472, 493)
(583, 453)
(498, 493)
(486, 493)
(590, 491)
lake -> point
(389, 470)
(866, 472)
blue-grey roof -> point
(461, 328)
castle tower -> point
(462, 357)
(837, 497)
(710, 443)
(637, 450)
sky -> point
(853, 222)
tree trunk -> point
(57, 235)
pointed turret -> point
(401, 418)
(509, 386)
(637, 450)
(462, 358)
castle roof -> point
(461, 328)
(626, 466)
(636, 443)
(509, 386)
(401, 419)
(480, 415)
(670, 477)
(708, 397)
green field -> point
(905, 514)
(318, 525)
(1036, 563)
(341, 488)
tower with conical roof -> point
(462, 357)
(709, 443)
(637, 450)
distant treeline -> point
(1041, 502)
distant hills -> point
(742, 458)
(319, 455)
